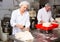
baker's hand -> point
(26, 29)
(19, 26)
(41, 22)
(55, 21)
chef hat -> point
(23, 3)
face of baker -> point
(48, 8)
(24, 7)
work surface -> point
(40, 37)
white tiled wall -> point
(3, 12)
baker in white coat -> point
(44, 14)
(20, 18)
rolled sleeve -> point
(27, 21)
(51, 19)
(39, 16)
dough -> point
(47, 24)
(24, 36)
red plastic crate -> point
(39, 26)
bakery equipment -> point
(5, 24)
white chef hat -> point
(23, 3)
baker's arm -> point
(27, 24)
(13, 21)
(39, 15)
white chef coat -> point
(17, 18)
(44, 15)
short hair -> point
(48, 4)
(24, 2)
